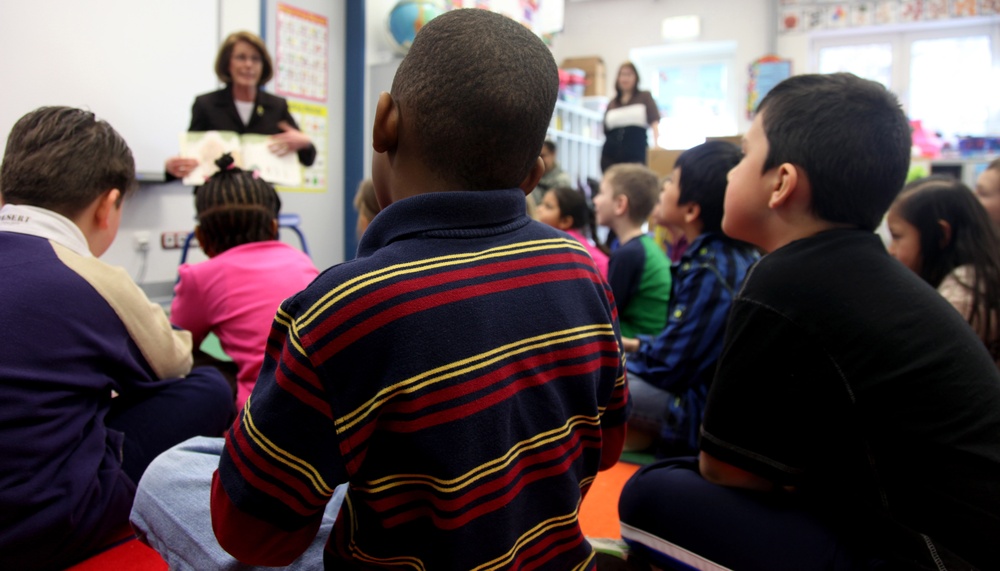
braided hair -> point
(235, 207)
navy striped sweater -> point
(460, 374)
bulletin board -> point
(136, 64)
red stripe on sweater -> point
(431, 301)
(465, 387)
(498, 396)
(385, 292)
(497, 503)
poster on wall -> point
(798, 16)
(312, 120)
(301, 59)
(544, 17)
(765, 73)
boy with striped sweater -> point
(463, 375)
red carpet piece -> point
(132, 555)
(599, 512)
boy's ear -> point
(385, 131)
(531, 181)
(107, 203)
(945, 234)
(692, 212)
(786, 182)
(620, 203)
(565, 222)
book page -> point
(280, 171)
(207, 147)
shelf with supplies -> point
(578, 133)
(967, 169)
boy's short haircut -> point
(640, 184)
(478, 96)
(62, 159)
(704, 170)
(848, 134)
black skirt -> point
(624, 145)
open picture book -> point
(250, 152)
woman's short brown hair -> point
(226, 54)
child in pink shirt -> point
(566, 209)
(236, 292)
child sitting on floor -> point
(462, 375)
(854, 418)
(940, 231)
(638, 270)
(90, 369)
(236, 292)
(566, 209)
(671, 370)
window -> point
(691, 85)
(945, 77)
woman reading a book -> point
(244, 65)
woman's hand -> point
(180, 167)
(289, 140)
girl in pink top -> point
(567, 210)
(236, 292)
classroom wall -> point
(611, 28)
(159, 207)
(608, 29)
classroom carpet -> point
(599, 511)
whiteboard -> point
(137, 64)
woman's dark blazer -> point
(216, 111)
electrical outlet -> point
(174, 240)
(141, 240)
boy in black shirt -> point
(851, 394)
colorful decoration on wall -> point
(799, 16)
(765, 73)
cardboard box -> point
(661, 161)
(594, 68)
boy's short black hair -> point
(704, 170)
(637, 182)
(62, 159)
(478, 91)
(848, 134)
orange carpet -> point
(599, 512)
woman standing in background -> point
(244, 65)
(628, 117)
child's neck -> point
(627, 234)
(692, 230)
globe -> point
(407, 17)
